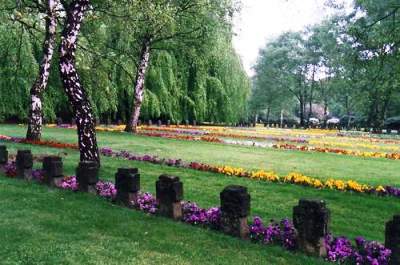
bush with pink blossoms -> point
(193, 214)
(146, 202)
(106, 189)
(214, 217)
(69, 183)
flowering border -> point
(172, 133)
(339, 249)
(270, 176)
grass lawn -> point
(52, 225)
(42, 226)
(374, 171)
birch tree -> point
(72, 85)
(160, 21)
(35, 109)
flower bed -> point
(211, 134)
(292, 178)
(339, 249)
(304, 148)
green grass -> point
(41, 226)
(51, 225)
(372, 171)
(44, 226)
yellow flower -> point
(318, 184)
(380, 189)
(355, 186)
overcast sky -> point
(261, 20)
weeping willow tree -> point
(18, 65)
(177, 84)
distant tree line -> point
(348, 66)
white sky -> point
(261, 20)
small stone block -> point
(127, 180)
(127, 183)
(235, 207)
(311, 219)
(171, 210)
(169, 189)
(53, 168)
(392, 239)
(126, 198)
(24, 159)
(169, 193)
(87, 175)
(3, 155)
(235, 201)
(24, 173)
(235, 226)
(24, 163)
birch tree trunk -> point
(139, 86)
(76, 93)
(35, 110)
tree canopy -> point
(193, 67)
(348, 64)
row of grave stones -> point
(311, 218)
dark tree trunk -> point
(76, 93)
(139, 86)
(35, 109)
(311, 98)
(301, 101)
(268, 113)
(325, 112)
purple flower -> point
(106, 189)
(213, 217)
(372, 253)
(393, 191)
(10, 169)
(195, 215)
(339, 249)
(69, 183)
(365, 252)
(147, 203)
(38, 175)
(282, 233)
(107, 151)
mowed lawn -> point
(374, 171)
(44, 226)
